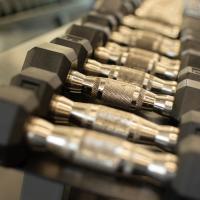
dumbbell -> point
(46, 86)
(190, 29)
(192, 9)
(101, 19)
(84, 50)
(132, 58)
(190, 57)
(109, 7)
(190, 23)
(136, 3)
(134, 38)
(161, 11)
(188, 89)
(147, 40)
(190, 34)
(190, 53)
(116, 8)
(187, 177)
(189, 72)
(187, 97)
(137, 57)
(108, 20)
(190, 46)
(190, 43)
(20, 130)
(111, 92)
(135, 22)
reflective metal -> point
(138, 59)
(149, 41)
(118, 94)
(165, 11)
(149, 25)
(114, 122)
(99, 151)
(131, 75)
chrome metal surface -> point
(139, 59)
(149, 41)
(99, 151)
(119, 94)
(157, 27)
(153, 10)
(131, 75)
(114, 122)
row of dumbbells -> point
(117, 66)
(8, 7)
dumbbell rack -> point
(69, 175)
(85, 179)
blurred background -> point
(21, 20)
(23, 24)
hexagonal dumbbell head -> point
(189, 124)
(190, 23)
(53, 58)
(109, 5)
(136, 3)
(16, 105)
(43, 83)
(190, 44)
(96, 38)
(191, 73)
(105, 30)
(101, 19)
(117, 8)
(187, 180)
(81, 46)
(186, 90)
(190, 58)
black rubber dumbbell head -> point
(16, 105)
(53, 58)
(187, 98)
(190, 23)
(101, 19)
(187, 180)
(105, 30)
(189, 34)
(190, 73)
(96, 38)
(81, 46)
(189, 124)
(116, 8)
(190, 44)
(136, 3)
(43, 83)
(128, 7)
(190, 58)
